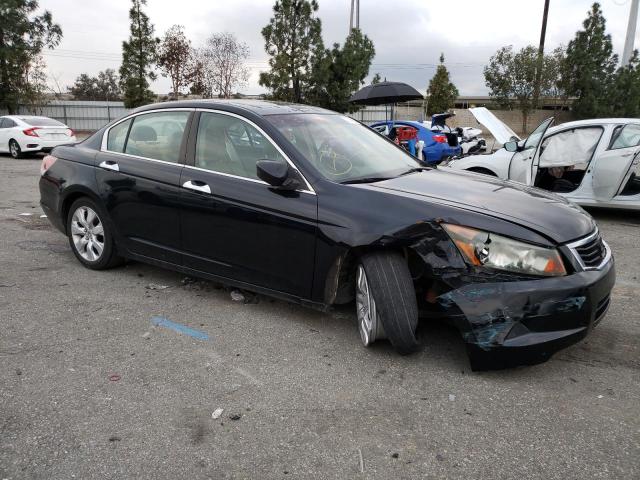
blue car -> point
(437, 146)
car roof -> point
(258, 107)
(593, 121)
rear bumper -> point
(525, 322)
(40, 145)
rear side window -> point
(157, 135)
(625, 137)
(2, 120)
(117, 137)
(8, 123)
(41, 122)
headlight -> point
(495, 251)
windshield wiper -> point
(365, 180)
(413, 170)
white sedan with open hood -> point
(21, 134)
(590, 162)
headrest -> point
(143, 133)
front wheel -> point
(89, 236)
(386, 301)
(14, 149)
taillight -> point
(440, 138)
(47, 163)
(70, 132)
(31, 132)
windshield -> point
(41, 122)
(342, 149)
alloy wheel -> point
(14, 149)
(87, 232)
(366, 309)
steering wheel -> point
(331, 161)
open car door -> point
(521, 166)
(612, 168)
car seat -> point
(216, 153)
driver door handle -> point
(197, 185)
(110, 165)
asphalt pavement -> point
(118, 374)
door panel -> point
(142, 195)
(249, 232)
(521, 168)
(244, 229)
(612, 167)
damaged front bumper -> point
(511, 323)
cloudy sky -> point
(408, 35)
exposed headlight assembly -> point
(487, 249)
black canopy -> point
(385, 93)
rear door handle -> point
(110, 165)
(197, 185)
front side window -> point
(227, 144)
(157, 135)
(534, 139)
(117, 136)
(342, 149)
(625, 137)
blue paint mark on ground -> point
(177, 327)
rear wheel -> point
(14, 149)
(89, 236)
(386, 301)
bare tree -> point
(223, 58)
(175, 57)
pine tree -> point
(138, 58)
(442, 92)
(589, 66)
(23, 36)
(341, 71)
(293, 40)
(623, 93)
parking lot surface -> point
(94, 385)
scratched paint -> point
(160, 321)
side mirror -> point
(276, 174)
(511, 146)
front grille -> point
(592, 252)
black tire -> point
(392, 288)
(484, 171)
(14, 149)
(109, 257)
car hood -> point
(541, 211)
(500, 131)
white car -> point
(20, 134)
(590, 162)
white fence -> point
(79, 115)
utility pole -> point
(631, 33)
(543, 34)
(355, 15)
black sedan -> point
(311, 206)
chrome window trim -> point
(309, 188)
(105, 135)
(583, 241)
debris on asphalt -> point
(43, 216)
(156, 286)
(361, 461)
(25, 214)
(114, 438)
(439, 457)
(600, 396)
(188, 281)
(114, 377)
(7, 285)
(243, 296)
(237, 296)
(235, 416)
(160, 321)
(452, 397)
(146, 334)
(217, 413)
(395, 455)
(18, 371)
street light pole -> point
(539, 66)
(631, 33)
